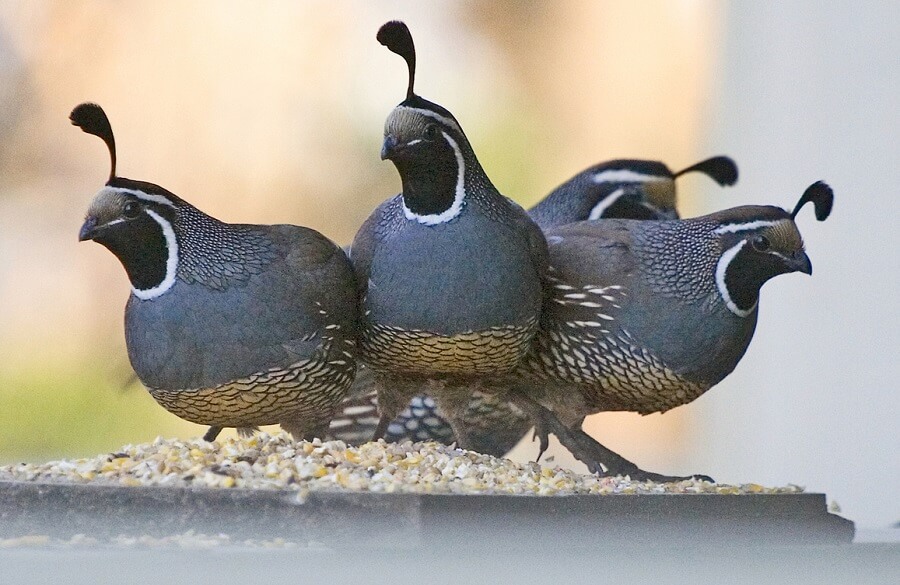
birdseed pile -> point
(276, 462)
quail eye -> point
(431, 131)
(761, 243)
(131, 210)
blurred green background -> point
(273, 112)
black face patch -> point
(140, 245)
(429, 173)
(748, 271)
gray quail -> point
(622, 188)
(494, 426)
(228, 325)
(450, 271)
(646, 316)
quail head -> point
(645, 316)
(228, 325)
(624, 188)
(450, 271)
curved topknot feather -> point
(92, 119)
(822, 198)
(721, 169)
(395, 36)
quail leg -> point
(212, 433)
(393, 396)
(598, 458)
(615, 464)
(453, 403)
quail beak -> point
(88, 229)
(389, 148)
(800, 262)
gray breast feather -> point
(471, 273)
(195, 336)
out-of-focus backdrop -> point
(272, 112)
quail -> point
(645, 316)
(494, 426)
(624, 188)
(450, 271)
(227, 325)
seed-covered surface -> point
(277, 462)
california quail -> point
(646, 316)
(450, 271)
(624, 188)
(494, 426)
(229, 325)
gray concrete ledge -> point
(414, 521)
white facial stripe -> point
(171, 261)
(144, 196)
(721, 269)
(605, 203)
(626, 176)
(442, 119)
(113, 222)
(458, 197)
(412, 142)
(741, 227)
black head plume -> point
(720, 169)
(395, 36)
(92, 119)
(822, 197)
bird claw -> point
(615, 464)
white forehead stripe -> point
(171, 261)
(458, 197)
(721, 269)
(442, 119)
(742, 227)
(143, 196)
(605, 203)
(625, 176)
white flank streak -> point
(357, 410)
(145, 196)
(626, 176)
(442, 119)
(721, 269)
(742, 227)
(171, 261)
(456, 207)
(597, 211)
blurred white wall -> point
(811, 90)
